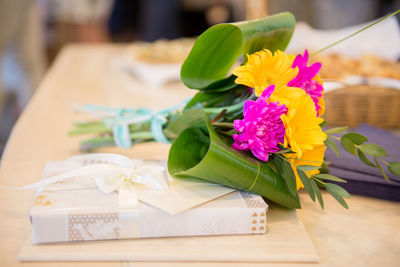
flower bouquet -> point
(257, 128)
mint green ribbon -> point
(119, 120)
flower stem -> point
(315, 161)
(355, 33)
(95, 127)
(384, 161)
(105, 141)
(223, 124)
(227, 133)
(229, 109)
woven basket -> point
(358, 104)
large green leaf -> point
(190, 118)
(219, 47)
(207, 156)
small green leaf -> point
(285, 151)
(307, 184)
(338, 193)
(336, 130)
(330, 177)
(325, 164)
(317, 193)
(306, 168)
(381, 170)
(324, 170)
(337, 189)
(278, 162)
(205, 99)
(222, 85)
(322, 124)
(364, 158)
(373, 150)
(394, 167)
(355, 138)
(348, 146)
(289, 177)
(272, 165)
(333, 146)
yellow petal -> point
(263, 69)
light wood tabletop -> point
(365, 235)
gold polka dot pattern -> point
(258, 218)
(253, 201)
(93, 226)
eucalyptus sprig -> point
(357, 145)
(312, 183)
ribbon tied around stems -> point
(108, 178)
(119, 120)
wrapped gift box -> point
(75, 209)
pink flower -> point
(305, 78)
(261, 129)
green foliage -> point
(190, 118)
(364, 158)
(307, 184)
(373, 150)
(288, 175)
(394, 167)
(205, 99)
(333, 146)
(338, 193)
(317, 193)
(329, 177)
(306, 168)
(381, 170)
(202, 154)
(218, 48)
(355, 138)
(222, 85)
(336, 130)
(348, 146)
(354, 143)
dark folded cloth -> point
(362, 179)
(367, 185)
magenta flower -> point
(304, 78)
(261, 129)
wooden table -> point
(365, 235)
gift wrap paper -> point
(76, 210)
(91, 215)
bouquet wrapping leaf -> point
(201, 153)
(218, 48)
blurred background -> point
(32, 32)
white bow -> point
(123, 180)
(108, 178)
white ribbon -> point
(108, 178)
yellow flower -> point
(288, 96)
(301, 124)
(313, 157)
(264, 68)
